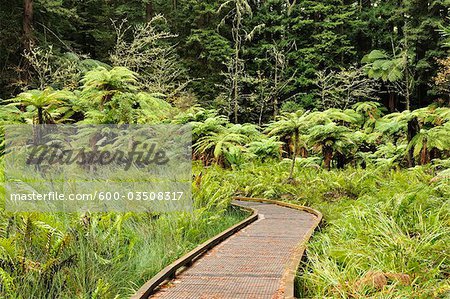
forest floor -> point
(385, 235)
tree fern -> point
(370, 111)
(216, 144)
(330, 139)
(292, 125)
(437, 138)
(265, 148)
(45, 106)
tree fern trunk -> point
(340, 160)
(391, 102)
(294, 156)
(327, 156)
(40, 116)
(424, 155)
(27, 24)
(304, 152)
(149, 11)
(413, 129)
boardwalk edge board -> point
(169, 272)
(294, 263)
(289, 275)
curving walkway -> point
(257, 262)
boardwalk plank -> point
(249, 264)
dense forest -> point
(248, 59)
(340, 105)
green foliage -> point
(379, 66)
(371, 110)
(220, 146)
(117, 79)
(67, 255)
(330, 139)
(388, 155)
(289, 124)
(112, 96)
(437, 138)
(265, 148)
(214, 124)
(292, 128)
(47, 251)
(340, 137)
(310, 36)
(44, 106)
(382, 224)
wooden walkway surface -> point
(254, 263)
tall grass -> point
(385, 235)
(386, 232)
(102, 255)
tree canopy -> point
(248, 59)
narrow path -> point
(251, 264)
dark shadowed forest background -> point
(248, 59)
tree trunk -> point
(40, 116)
(407, 79)
(424, 155)
(27, 24)
(275, 98)
(149, 11)
(294, 156)
(340, 160)
(407, 91)
(261, 112)
(413, 129)
(391, 102)
(235, 84)
(286, 146)
(304, 152)
(37, 128)
(327, 156)
(236, 103)
(237, 67)
(435, 154)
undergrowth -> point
(102, 255)
(385, 232)
(385, 235)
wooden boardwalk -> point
(257, 262)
